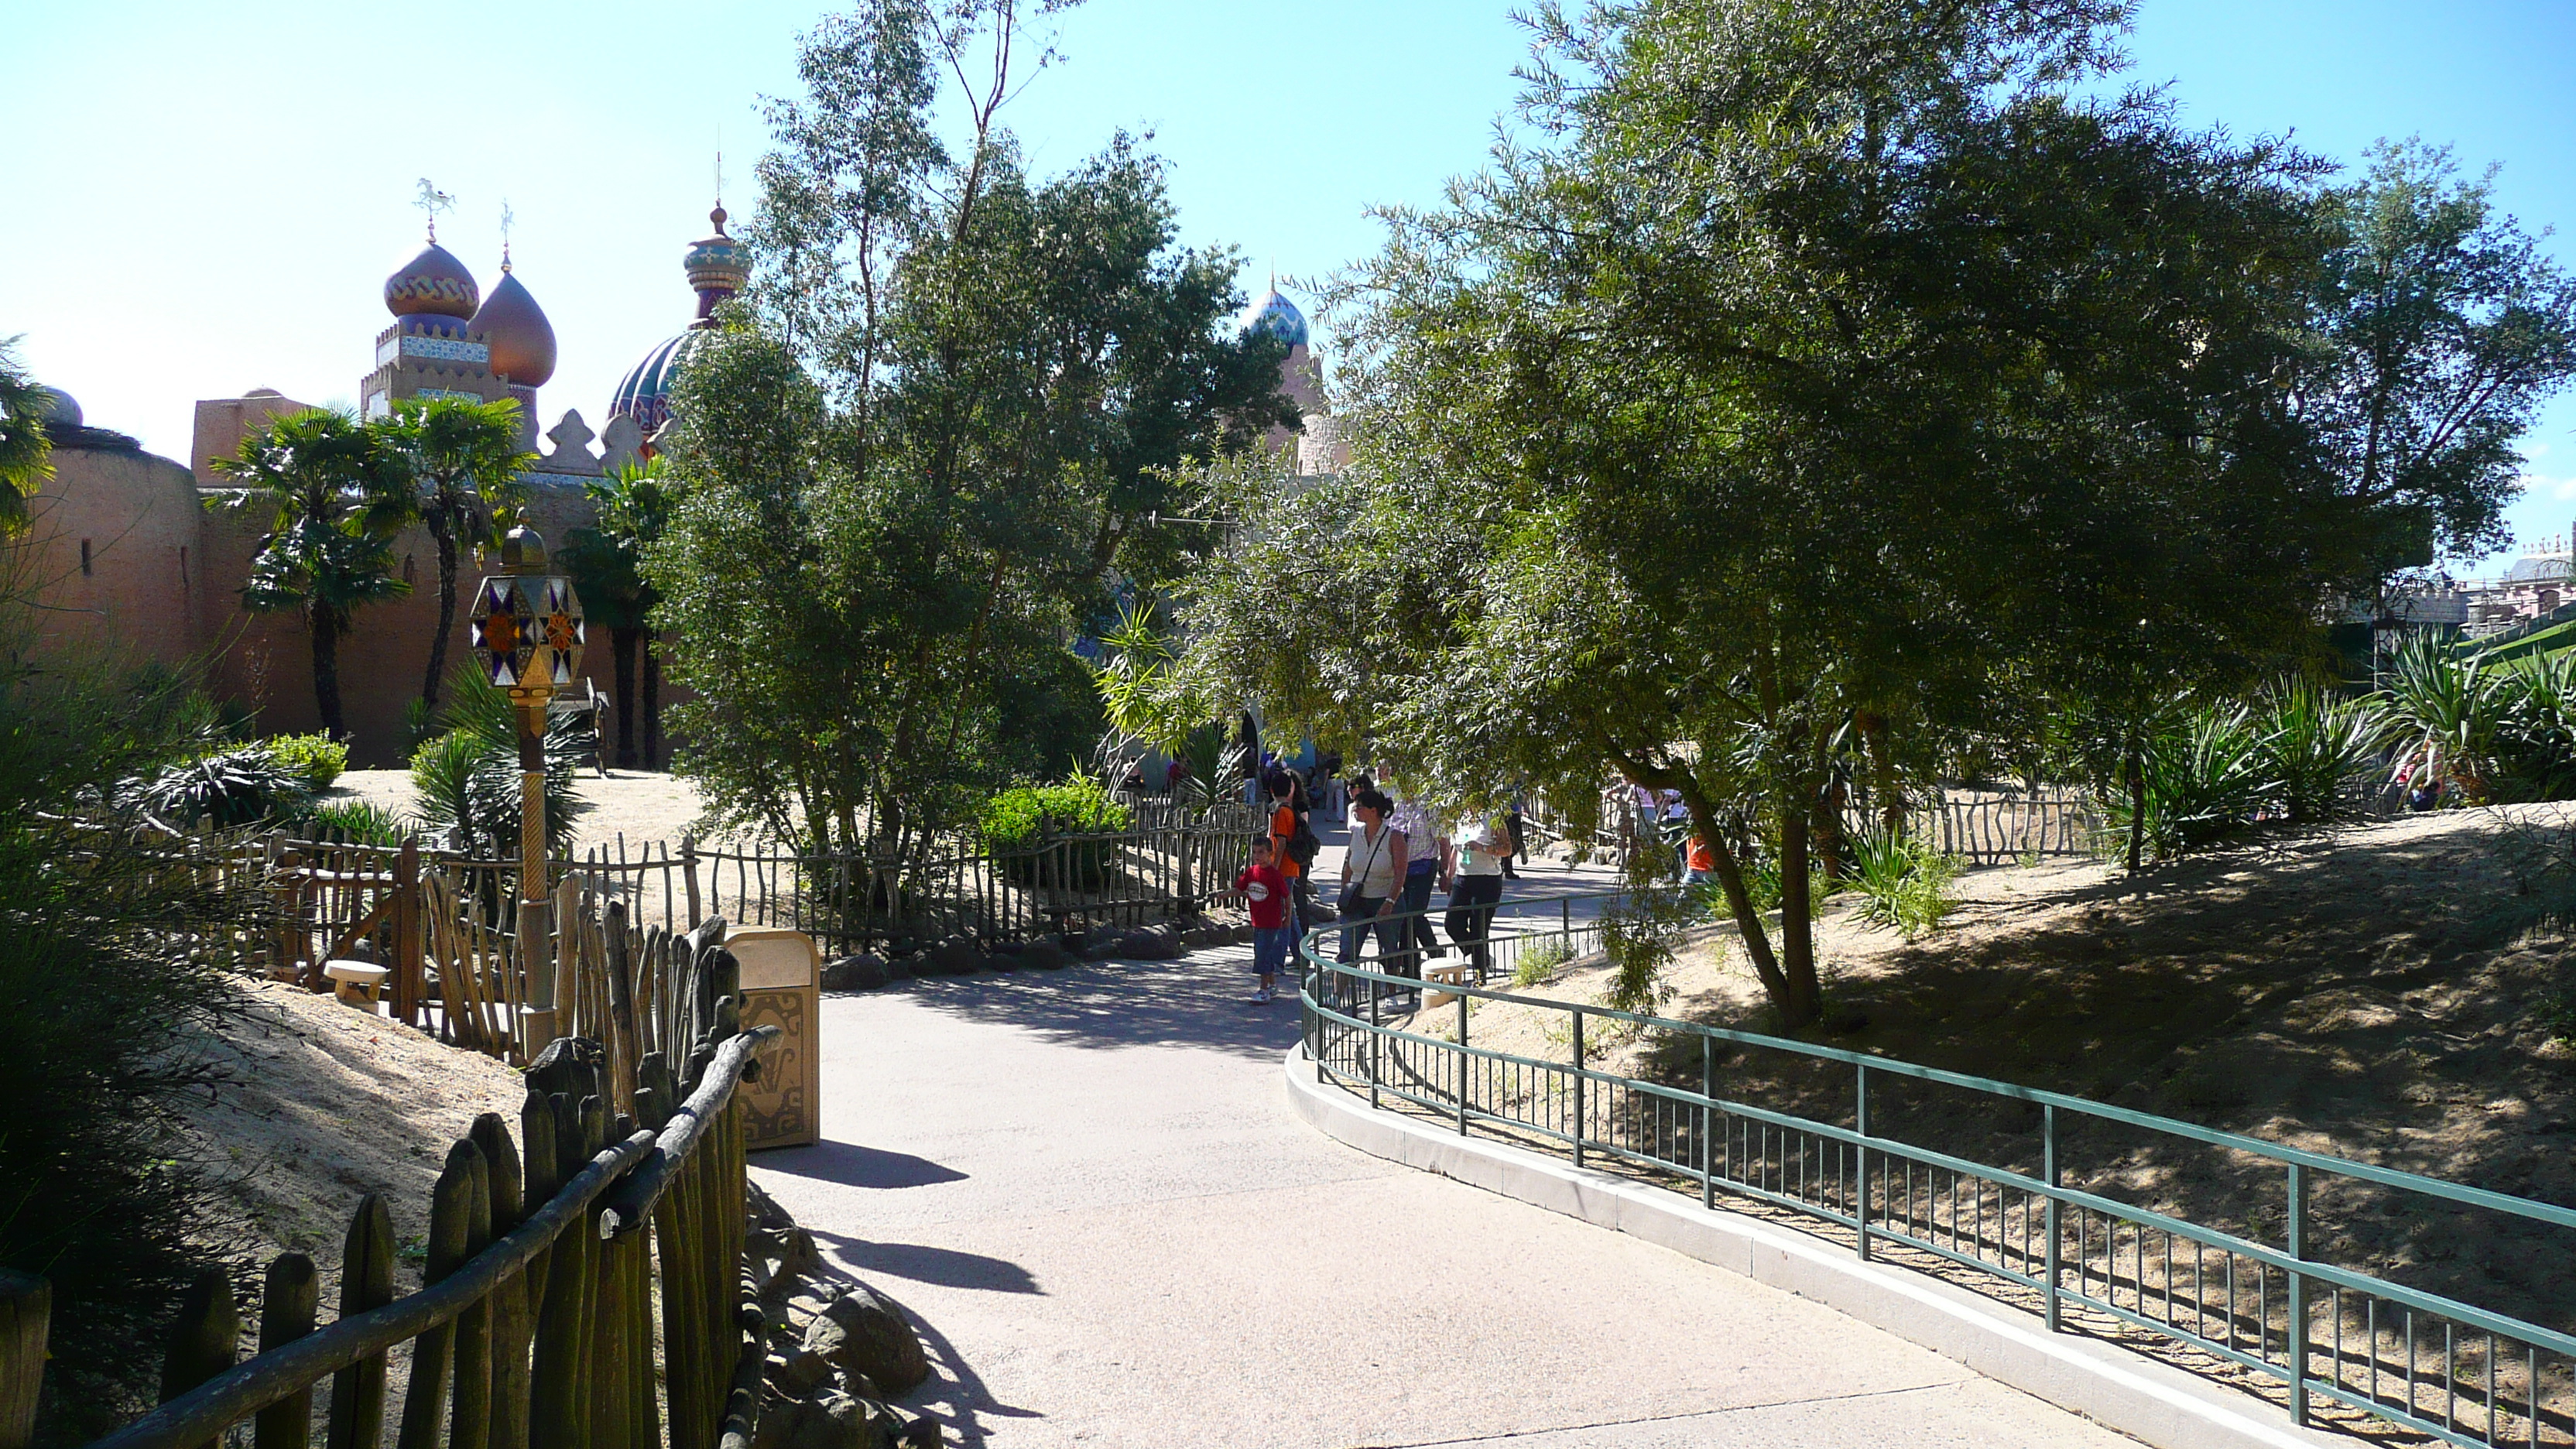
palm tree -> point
(605, 564)
(26, 452)
(315, 477)
(462, 462)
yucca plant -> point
(2207, 778)
(2315, 747)
(1903, 882)
(2444, 714)
(2536, 745)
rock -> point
(801, 1372)
(920, 1434)
(955, 956)
(1044, 955)
(996, 961)
(1153, 945)
(863, 972)
(863, 1333)
(829, 1421)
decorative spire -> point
(507, 216)
(431, 202)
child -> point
(1265, 896)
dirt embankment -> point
(2374, 991)
(325, 1105)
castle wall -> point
(113, 552)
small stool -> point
(1455, 973)
(355, 982)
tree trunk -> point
(1829, 831)
(446, 615)
(1882, 774)
(326, 671)
(622, 643)
(652, 703)
(1805, 999)
(2137, 802)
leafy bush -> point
(318, 758)
(239, 786)
(1030, 815)
(1903, 882)
(1535, 965)
(359, 822)
(468, 775)
(2207, 779)
(2536, 754)
(119, 961)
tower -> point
(717, 267)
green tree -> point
(26, 451)
(2445, 328)
(461, 463)
(903, 471)
(315, 480)
(606, 567)
(1815, 367)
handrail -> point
(228, 1398)
(1866, 1182)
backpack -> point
(1303, 845)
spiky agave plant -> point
(2443, 713)
(2315, 747)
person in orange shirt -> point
(1288, 821)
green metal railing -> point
(2036, 1231)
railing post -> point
(2048, 1156)
(1462, 1064)
(1707, 1123)
(1376, 1037)
(1565, 917)
(1860, 1119)
(1578, 1088)
(2295, 1338)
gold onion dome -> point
(434, 283)
(522, 340)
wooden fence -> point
(536, 1321)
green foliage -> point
(1027, 815)
(467, 776)
(2207, 779)
(240, 786)
(1640, 932)
(1904, 882)
(2316, 749)
(119, 960)
(360, 822)
(2445, 715)
(1537, 965)
(318, 758)
(26, 451)
(454, 468)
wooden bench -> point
(356, 982)
(1454, 973)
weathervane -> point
(506, 218)
(431, 202)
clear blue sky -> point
(214, 193)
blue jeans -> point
(1390, 934)
(1417, 897)
(1270, 946)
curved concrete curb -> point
(2138, 1396)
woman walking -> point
(1472, 873)
(1372, 873)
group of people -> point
(1397, 855)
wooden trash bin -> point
(782, 986)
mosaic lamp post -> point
(527, 637)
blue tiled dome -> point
(645, 392)
(1279, 315)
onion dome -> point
(1278, 316)
(644, 394)
(522, 340)
(718, 266)
(62, 412)
(435, 283)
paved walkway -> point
(1089, 1188)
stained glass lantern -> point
(527, 625)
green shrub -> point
(2207, 779)
(318, 758)
(1029, 815)
(1539, 962)
(239, 786)
(359, 822)
(468, 775)
(1903, 882)
(2314, 747)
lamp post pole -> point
(527, 635)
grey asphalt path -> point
(1089, 1188)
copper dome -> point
(434, 282)
(523, 341)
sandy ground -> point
(2370, 991)
(636, 804)
(326, 1105)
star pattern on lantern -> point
(504, 636)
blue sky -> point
(214, 193)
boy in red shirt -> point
(1265, 896)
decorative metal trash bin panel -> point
(782, 986)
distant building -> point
(1319, 445)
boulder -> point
(1150, 944)
(1044, 955)
(864, 1333)
(955, 956)
(830, 1421)
(801, 1372)
(863, 972)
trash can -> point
(782, 986)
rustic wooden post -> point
(289, 1303)
(26, 1314)
(451, 1204)
(509, 1304)
(470, 1425)
(366, 1282)
(620, 966)
(204, 1338)
(407, 933)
